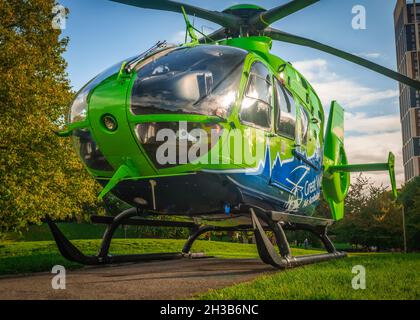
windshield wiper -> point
(149, 52)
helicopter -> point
(216, 134)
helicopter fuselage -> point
(218, 133)
(247, 129)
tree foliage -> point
(39, 172)
(410, 198)
(372, 217)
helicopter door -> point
(284, 172)
(305, 142)
(303, 131)
(256, 105)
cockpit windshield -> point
(198, 80)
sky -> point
(103, 32)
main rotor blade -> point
(264, 19)
(290, 38)
(223, 19)
(214, 36)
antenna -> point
(190, 28)
(204, 26)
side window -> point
(304, 125)
(256, 105)
(286, 112)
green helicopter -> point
(219, 135)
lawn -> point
(36, 256)
(388, 276)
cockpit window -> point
(256, 105)
(199, 80)
(286, 111)
(304, 125)
(78, 108)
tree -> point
(372, 218)
(39, 172)
(410, 198)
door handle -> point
(302, 157)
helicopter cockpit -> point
(198, 80)
(191, 80)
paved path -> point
(174, 279)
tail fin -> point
(336, 180)
(335, 185)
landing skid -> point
(268, 253)
(274, 221)
(72, 253)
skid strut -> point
(268, 253)
(72, 253)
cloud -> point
(178, 37)
(369, 55)
(330, 86)
(374, 148)
(362, 123)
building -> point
(407, 26)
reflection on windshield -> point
(199, 80)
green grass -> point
(75, 231)
(388, 276)
(71, 230)
(26, 257)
